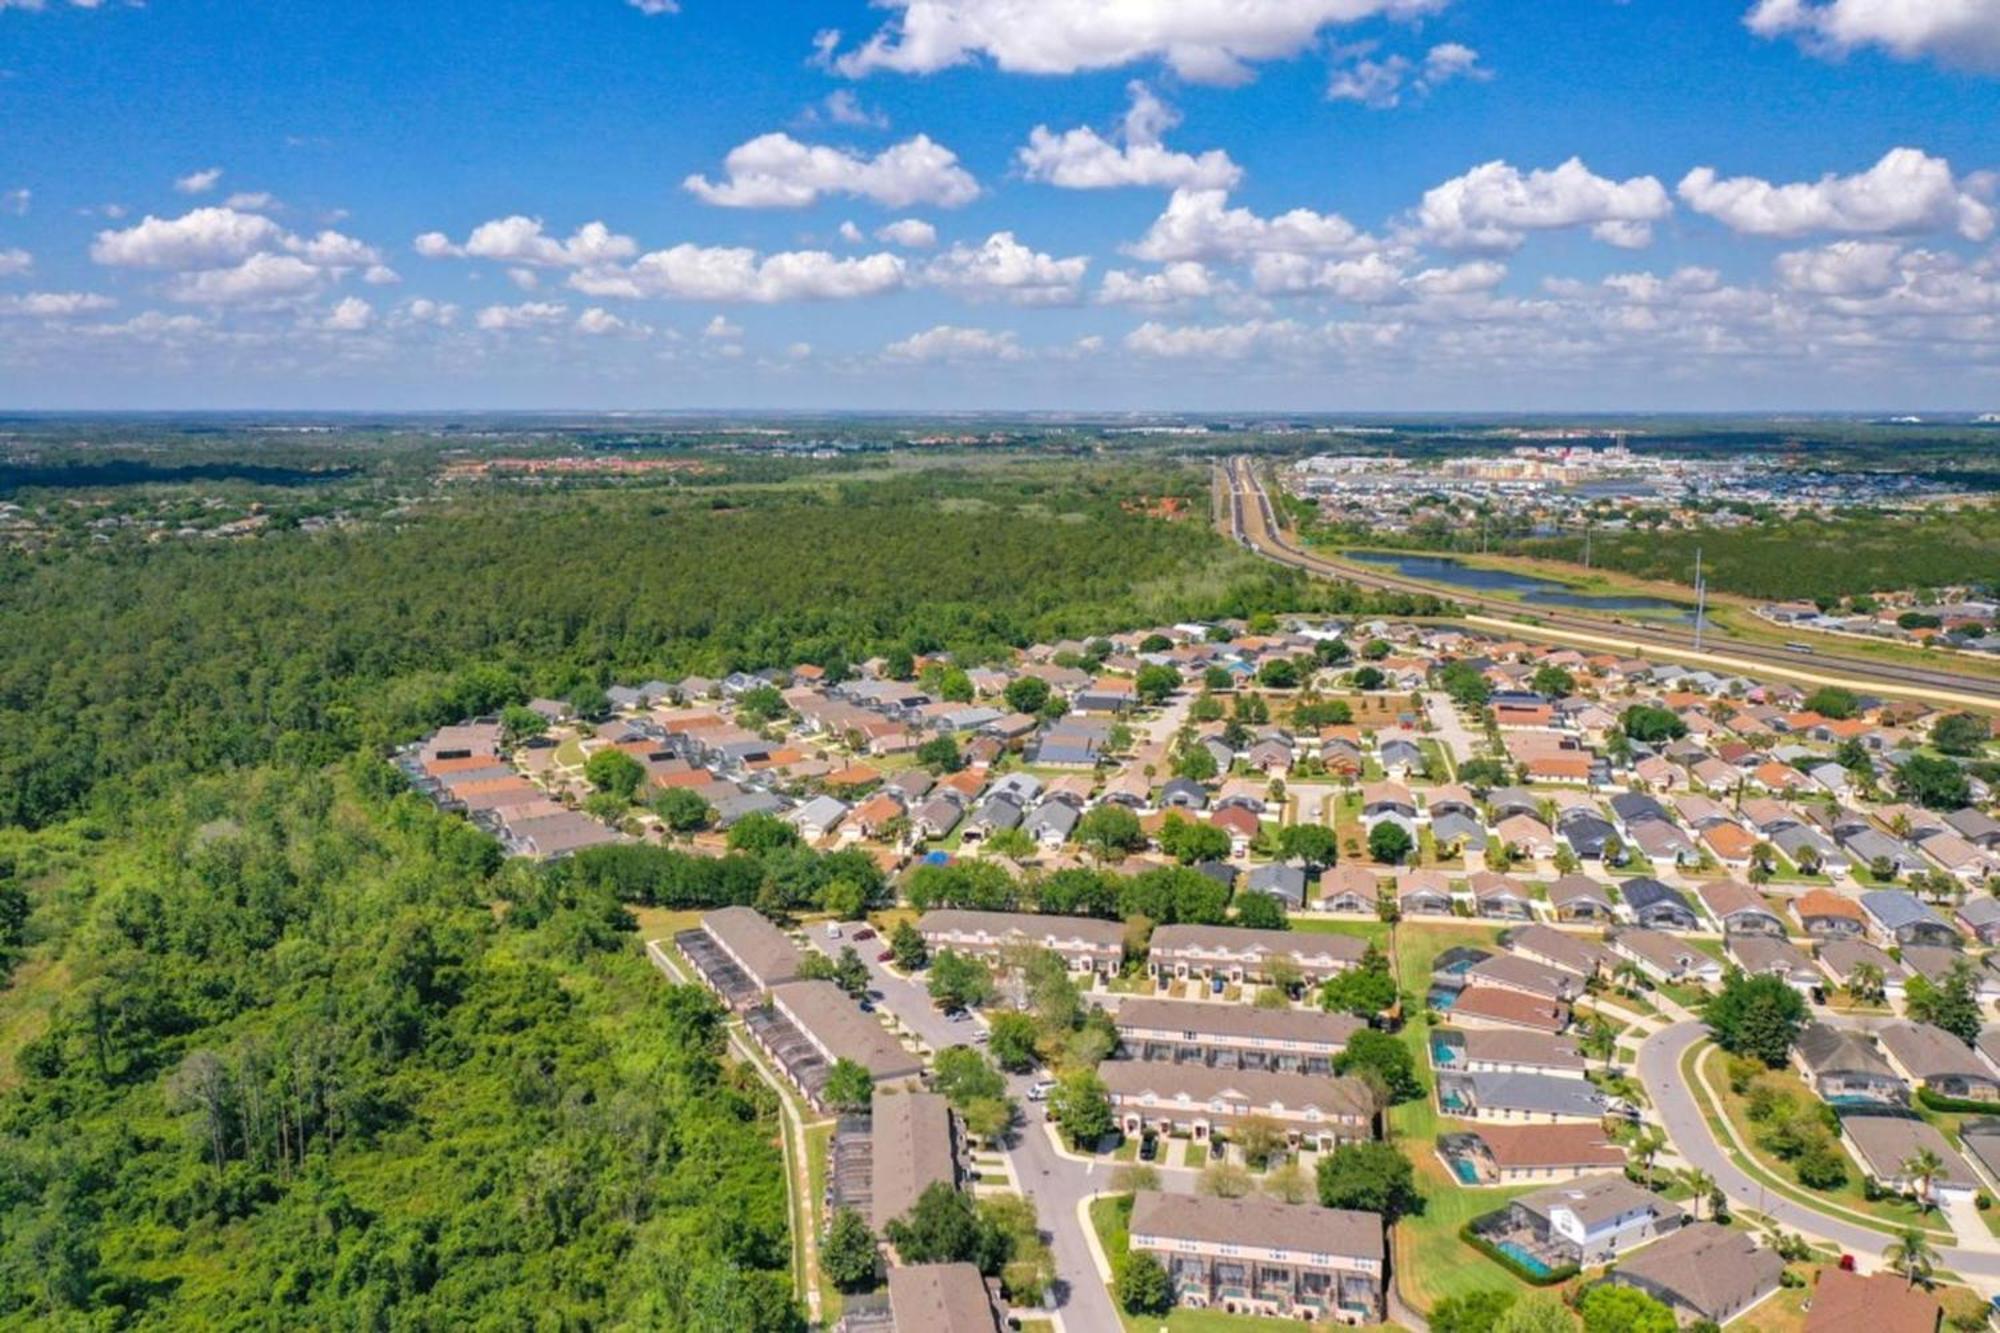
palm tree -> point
(1912, 1256)
(1649, 1145)
(1701, 1185)
(1599, 1042)
(1865, 983)
(1925, 1166)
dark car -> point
(1149, 1148)
(887, 955)
(1216, 1148)
(865, 933)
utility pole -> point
(1700, 599)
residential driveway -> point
(1680, 1115)
(1055, 1183)
(1449, 729)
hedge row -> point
(1936, 1101)
(1513, 1265)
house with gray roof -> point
(1522, 1098)
(1885, 1144)
(1286, 883)
(1258, 1256)
(1658, 906)
(1898, 918)
(1580, 898)
(1052, 823)
(1870, 847)
(1933, 1058)
(818, 817)
(1843, 1066)
(1704, 1271)
(1775, 956)
(1593, 1220)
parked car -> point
(833, 930)
(865, 933)
(1216, 985)
(1149, 1148)
(886, 956)
(1041, 1088)
(1216, 1149)
(981, 1037)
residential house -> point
(1932, 1058)
(1391, 803)
(1776, 956)
(913, 1144)
(1826, 915)
(1883, 1302)
(1580, 898)
(1200, 1102)
(1238, 954)
(1255, 1255)
(1664, 958)
(1525, 1098)
(1704, 1271)
(1286, 883)
(1500, 896)
(1085, 943)
(1494, 1007)
(1502, 1154)
(1658, 906)
(1349, 888)
(1516, 973)
(1233, 1036)
(1504, 1051)
(740, 955)
(1595, 1220)
(1562, 949)
(1423, 893)
(1841, 959)
(1844, 1066)
(1898, 918)
(1739, 909)
(810, 1026)
(1527, 836)
(1884, 1146)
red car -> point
(865, 933)
(885, 955)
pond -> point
(1531, 590)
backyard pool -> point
(1466, 1172)
(1442, 1052)
(1523, 1256)
(1443, 997)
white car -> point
(1041, 1090)
(833, 930)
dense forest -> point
(143, 664)
(314, 1058)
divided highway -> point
(1253, 523)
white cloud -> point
(777, 171)
(381, 275)
(1004, 268)
(17, 202)
(654, 8)
(423, 310)
(720, 273)
(1842, 268)
(521, 240)
(204, 238)
(54, 305)
(850, 233)
(526, 279)
(1481, 275)
(1381, 84)
(261, 277)
(1182, 281)
(528, 315)
(597, 322)
(721, 328)
(1082, 159)
(252, 201)
(910, 233)
(13, 263)
(199, 182)
(1964, 34)
(352, 315)
(1206, 41)
(1908, 191)
(1199, 224)
(1494, 205)
(1213, 342)
(330, 249)
(951, 342)
(842, 107)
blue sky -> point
(1237, 204)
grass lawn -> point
(658, 923)
(1850, 1197)
(1194, 1155)
(819, 1140)
(1375, 932)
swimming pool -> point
(1443, 997)
(1443, 1052)
(1466, 1172)
(1521, 1255)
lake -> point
(1531, 590)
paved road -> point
(1251, 520)
(1448, 728)
(1660, 1071)
(1055, 1183)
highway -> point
(1249, 519)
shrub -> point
(1507, 1261)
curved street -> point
(1659, 1069)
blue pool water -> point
(1520, 1255)
(1441, 1052)
(1442, 998)
(1466, 1172)
(1458, 967)
(1535, 591)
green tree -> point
(1911, 1255)
(1012, 1041)
(1314, 844)
(519, 725)
(683, 810)
(943, 1227)
(1389, 843)
(1109, 831)
(1155, 684)
(1834, 702)
(1756, 1016)
(761, 705)
(1651, 725)
(761, 834)
(1365, 990)
(963, 1075)
(907, 943)
(1536, 1314)
(940, 754)
(849, 1086)
(1191, 843)
(1961, 733)
(1372, 1177)
(614, 772)
(1224, 1180)
(1142, 1286)
(1952, 1004)
(1474, 1312)
(1027, 694)
(958, 981)
(955, 687)
(1369, 678)
(1553, 682)
(1081, 1107)
(1935, 784)
(1609, 1308)
(1194, 761)
(1466, 684)
(1278, 674)
(848, 1256)
(1260, 911)
(1384, 1056)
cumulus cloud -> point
(352, 315)
(721, 328)
(723, 273)
(1005, 269)
(203, 238)
(1964, 34)
(1842, 268)
(842, 107)
(1494, 206)
(528, 315)
(54, 305)
(597, 322)
(1907, 192)
(252, 201)
(777, 171)
(13, 263)
(951, 342)
(1182, 281)
(910, 233)
(380, 275)
(199, 182)
(1204, 41)
(655, 8)
(521, 240)
(1082, 159)
(1382, 84)
(423, 310)
(261, 277)
(1199, 224)
(1213, 342)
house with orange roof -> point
(1567, 766)
(1826, 915)
(1728, 844)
